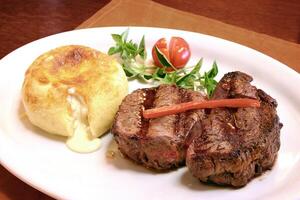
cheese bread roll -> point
(74, 91)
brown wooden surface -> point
(278, 18)
(153, 14)
(22, 22)
(25, 21)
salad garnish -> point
(133, 58)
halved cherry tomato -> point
(177, 52)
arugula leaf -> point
(194, 72)
(142, 50)
(159, 74)
(170, 78)
(212, 73)
(145, 77)
(117, 38)
(114, 50)
(209, 82)
(131, 49)
(130, 73)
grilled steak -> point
(156, 143)
(236, 144)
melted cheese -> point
(81, 141)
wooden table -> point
(272, 27)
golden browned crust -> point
(95, 76)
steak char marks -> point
(236, 144)
(156, 143)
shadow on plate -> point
(34, 129)
(115, 158)
(194, 184)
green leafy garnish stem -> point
(133, 58)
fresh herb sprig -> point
(127, 49)
(133, 58)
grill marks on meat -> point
(227, 146)
(129, 126)
(164, 126)
(158, 147)
(236, 144)
(156, 143)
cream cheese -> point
(82, 140)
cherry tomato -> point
(177, 52)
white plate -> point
(45, 163)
